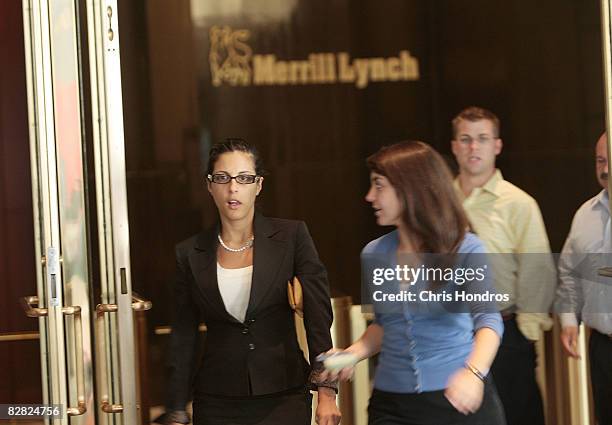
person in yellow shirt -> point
(510, 224)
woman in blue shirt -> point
(433, 362)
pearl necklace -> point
(247, 245)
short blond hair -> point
(473, 114)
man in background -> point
(584, 294)
(509, 222)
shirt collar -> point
(490, 186)
(601, 200)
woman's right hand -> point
(365, 347)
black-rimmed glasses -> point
(226, 178)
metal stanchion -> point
(341, 337)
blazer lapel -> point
(203, 263)
(268, 255)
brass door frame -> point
(117, 366)
(63, 306)
(606, 34)
(60, 221)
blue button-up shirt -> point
(420, 351)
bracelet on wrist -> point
(475, 371)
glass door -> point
(87, 347)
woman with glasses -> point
(435, 350)
(234, 278)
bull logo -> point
(229, 56)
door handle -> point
(138, 304)
(102, 309)
(27, 303)
(75, 311)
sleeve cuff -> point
(568, 319)
(173, 416)
(315, 381)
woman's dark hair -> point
(232, 144)
(431, 209)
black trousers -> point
(514, 374)
(431, 408)
(600, 357)
(289, 408)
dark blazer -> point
(261, 355)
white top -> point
(235, 288)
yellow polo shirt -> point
(510, 223)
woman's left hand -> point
(465, 391)
(327, 411)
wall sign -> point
(233, 62)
